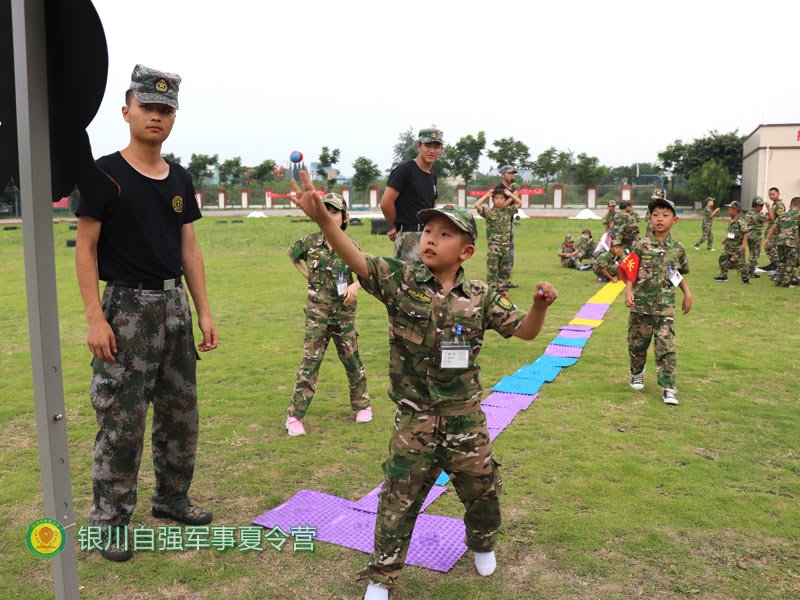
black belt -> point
(167, 284)
(404, 227)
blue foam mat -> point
(518, 385)
(534, 371)
(555, 361)
(574, 342)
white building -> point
(771, 158)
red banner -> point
(523, 192)
(629, 268)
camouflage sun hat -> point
(427, 136)
(758, 201)
(151, 86)
(657, 193)
(735, 204)
(612, 203)
(665, 202)
(507, 169)
(462, 218)
(335, 200)
(710, 199)
(569, 238)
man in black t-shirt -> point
(507, 175)
(410, 189)
(141, 244)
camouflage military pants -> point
(708, 234)
(613, 270)
(318, 334)
(155, 362)
(755, 252)
(421, 445)
(772, 252)
(733, 258)
(570, 262)
(511, 251)
(498, 266)
(406, 246)
(643, 328)
(787, 264)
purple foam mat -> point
(436, 543)
(555, 361)
(369, 503)
(587, 328)
(498, 417)
(535, 371)
(505, 400)
(519, 385)
(306, 507)
(493, 433)
(565, 341)
(569, 333)
(592, 311)
(564, 351)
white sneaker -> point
(669, 396)
(637, 381)
(712, 249)
(760, 270)
(376, 592)
(696, 247)
(485, 563)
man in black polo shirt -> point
(410, 189)
(140, 334)
(507, 175)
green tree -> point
(366, 173)
(550, 163)
(681, 159)
(201, 167)
(587, 170)
(232, 172)
(264, 172)
(509, 151)
(463, 156)
(171, 157)
(327, 159)
(405, 149)
(710, 179)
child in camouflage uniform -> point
(650, 295)
(437, 319)
(606, 266)
(585, 246)
(754, 220)
(498, 235)
(709, 212)
(330, 313)
(786, 234)
(608, 219)
(733, 251)
(568, 252)
(625, 225)
(776, 209)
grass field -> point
(608, 492)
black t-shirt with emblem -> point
(140, 239)
(417, 191)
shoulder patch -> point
(503, 302)
(419, 296)
(313, 255)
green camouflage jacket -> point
(609, 218)
(736, 231)
(420, 319)
(626, 225)
(788, 231)
(653, 292)
(707, 213)
(585, 247)
(754, 224)
(498, 222)
(608, 260)
(777, 208)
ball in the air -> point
(296, 156)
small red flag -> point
(629, 268)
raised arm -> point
(479, 202)
(531, 325)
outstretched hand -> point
(545, 294)
(308, 200)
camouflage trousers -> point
(787, 264)
(643, 328)
(155, 362)
(511, 252)
(498, 265)
(708, 234)
(318, 334)
(613, 269)
(422, 445)
(570, 262)
(406, 246)
(755, 252)
(772, 252)
(733, 258)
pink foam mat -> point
(564, 351)
(587, 328)
(506, 400)
(592, 311)
(570, 333)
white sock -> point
(485, 563)
(376, 592)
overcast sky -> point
(618, 80)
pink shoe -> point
(295, 426)
(364, 415)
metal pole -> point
(33, 130)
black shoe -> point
(756, 275)
(191, 515)
(720, 278)
(114, 552)
(785, 285)
(770, 267)
(746, 281)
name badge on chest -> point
(455, 355)
(731, 235)
(341, 284)
(675, 277)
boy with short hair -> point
(498, 235)
(709, 212)
(568, 252)
(651, 273)
(608, 219)
(777, 208)
(330, 313)
(606, 266)
(784, 236)
(754, 220)
(437, 319)
(735, 242)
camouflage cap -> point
(569, 238)
(735, 204)
(666, 203)
(507, 169)
(758, 201)
(657, 193)
(711, 199)
(428, 136)
(462, 218)
(335, 200)
(612, 203)
(624, 203)
(149, 85)
(615, 241)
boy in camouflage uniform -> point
(437, 319)
(606, 266)
(754, 220)
(608, 219)
(709, 212)
(650, 295)
(625, 225)
(777, 208)
(498, 236)
(733, 251)
(568, 252)
(585, 246)
(330, 313)
(784, 236)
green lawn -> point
(608, 492)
